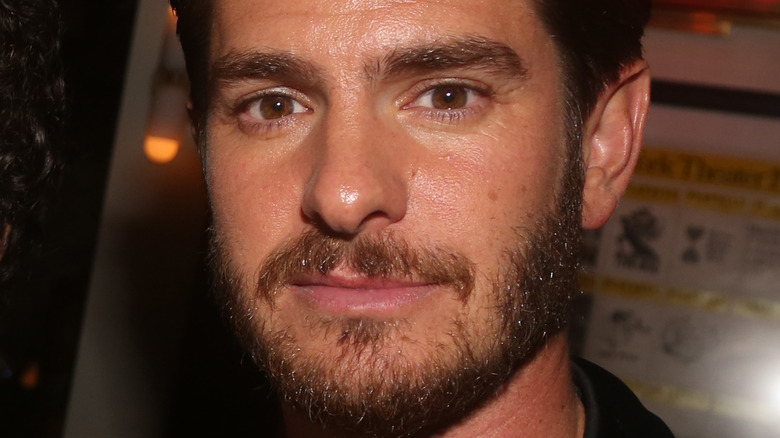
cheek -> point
(497, 181)
(495, 176)
(529, 163)
(253, 203)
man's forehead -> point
(320, 7)
(255, 9)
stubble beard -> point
(363, 387)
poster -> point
(685, 293)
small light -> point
(29, 378)
(166, 124)
(160, 149)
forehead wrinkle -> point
(470, 52)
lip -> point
(339, 293)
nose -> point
(358, 181)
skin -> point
(364, 151)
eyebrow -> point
(470, 52)
(238, 66)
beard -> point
(363, 385)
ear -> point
(612, 140)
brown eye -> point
(447, 98)
(275, 107)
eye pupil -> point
(275, 107)
(449, 97)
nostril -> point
(311, 218)
(332, 220)
(346, 227)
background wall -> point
(685, 303)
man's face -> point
(385, 179)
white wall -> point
(748, 58)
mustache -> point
(385, 256)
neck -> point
(539, 400)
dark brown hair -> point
(194, 26)
(596, 39)
(31, 116)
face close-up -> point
(384, 176)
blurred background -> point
(112, 332)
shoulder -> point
(611, 409)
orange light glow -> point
(691, 21)
(160, 149)
(707, 23)
(733, 6)
(29, 379)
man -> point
(397, 190)
(31, 107)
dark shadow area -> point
(729, 100)
(41, 320)
(220, 391)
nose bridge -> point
(357, 183)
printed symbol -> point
(687, 341)
(634, 249)
(692, 254)
(624, 325)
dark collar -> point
(611, 409)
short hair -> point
(595, 39)
(193, 25)
(31, 112)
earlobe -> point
(612, 141)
